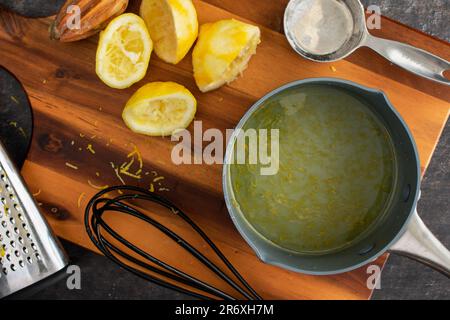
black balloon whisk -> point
(159, 272)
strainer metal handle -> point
(410, 58)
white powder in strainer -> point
(321, 26)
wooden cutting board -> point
(73, 110)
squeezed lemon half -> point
(160, 109)
(222, 52)
(173, 27)
(123, 52)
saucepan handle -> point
(418, 243)
(413, 59)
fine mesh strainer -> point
(330, 30)
(29, 252)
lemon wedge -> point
(222, 52)
(173, 27)
(123, 52)
(160, 109)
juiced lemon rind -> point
(222, 52)
(173, 26)
(160, 109)
(129, 66)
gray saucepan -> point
(399, 231)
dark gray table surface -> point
(401, 279)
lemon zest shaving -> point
(14, 99)
(71, 166)
(80, 198)
(97, 187)
(138, 154)
(116, 170)
(22, 132)
(131, 174)
(90, 148)
(126, 165)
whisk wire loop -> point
(95, 227)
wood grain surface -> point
(76, 115)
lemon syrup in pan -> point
(336, 171)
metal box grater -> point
(29, 251)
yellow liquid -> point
(336, 174)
